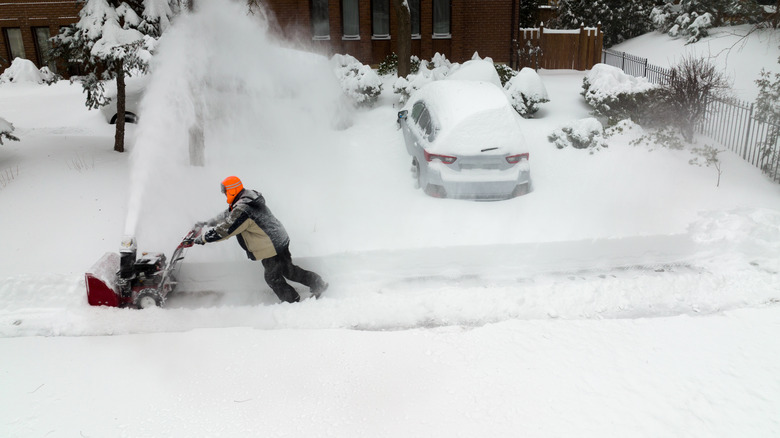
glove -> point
(199, 240)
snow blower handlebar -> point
(189, 239)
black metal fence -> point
(731, 122)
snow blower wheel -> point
(148, 298)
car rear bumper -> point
(478, 184)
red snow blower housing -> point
(122, 280)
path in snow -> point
(466, 286)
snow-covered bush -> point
(615, 95)
(768, 109)
(24, 71)
(405, 87)
(6, 131)
(693, 18)
(390, 65)
(359, 82)
(49, 77)
(505, 73)
(579, 134)
(438, 68)
(526, 92)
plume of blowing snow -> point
(220, 70)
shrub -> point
(768, 109)
(684, 96)
(438, 68)
(579, 134)
(505, 73)
(358, 81)
(390, 65)
(615, 95)
(526, 92)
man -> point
(263, 238)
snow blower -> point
(122, 280)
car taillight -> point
(446, 159)
(514, 159)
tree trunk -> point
(404, 32)
(119, 137)
(197, 141)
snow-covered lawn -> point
(625, 296)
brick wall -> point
(483, 26)
(29, 14)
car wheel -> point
(129, 118)
(416, 173)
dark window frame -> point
(315, 8)
(344, 24)
(44, 60)
(415, 19)
(374, 22)
(435, 18)
(9, 49)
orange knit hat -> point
(231, 186)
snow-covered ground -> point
(625, 296)
(740, 52)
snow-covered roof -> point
(470, 113)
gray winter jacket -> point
(258, 232)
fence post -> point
(623, 63)
(645, 75)
(747, 132)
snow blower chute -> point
(122, 280)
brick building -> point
(27, 25)
(362, 28)
(366, 28)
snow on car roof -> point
(455, 100)
(471, 116)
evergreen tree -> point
(112, 40)
(619, 20)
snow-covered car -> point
(134, 91)
(465, 141)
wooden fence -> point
(578, 49)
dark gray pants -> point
(280, 267)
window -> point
(320, 20)
(414, 8)
(15, 44)
(417, 109)
(351, 19)
(441, 18)
(42, 46)
(380, 19)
